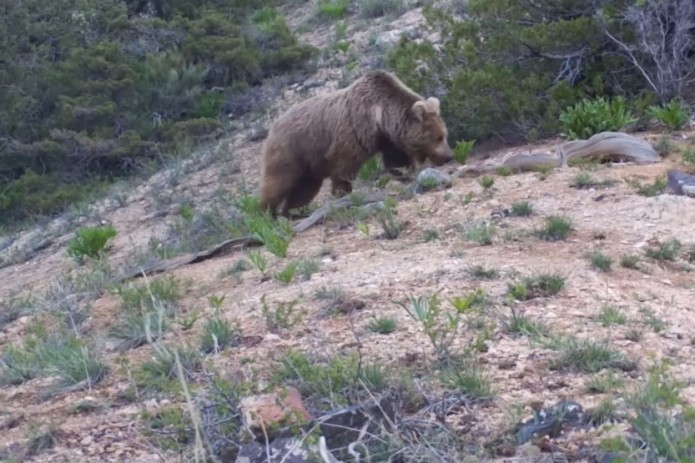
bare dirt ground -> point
(612, 219)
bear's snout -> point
(442, 156)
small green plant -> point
(629, 261)
(90, 242)
(462, 149)
(604, 383)
(584, 180)
(543, 285)
(649, 190)
(217, 335)
(665, 433)
(556, 228)
(258, 260)
(285, 315)
(378, 8)
(611, 316)
(673, 115)
(386, 216)
(307, 267)
(519, 323)
(287, 273)
(468, 378)
(522, 209)
(688, 156)
(333, 9)
(666, 251)
(587, 117)
(487, 183)
(483, 273)
(440, 327)
(600, 261)
(589, 356)
(430, 235)
(382, 325)
(480, 232)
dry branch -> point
(249, 240)
(604, 146)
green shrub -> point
(673, 115)
(589, 117)
(377, 8)
(90, 242)
(333, 8)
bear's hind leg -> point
(275, 190)
(302, 194)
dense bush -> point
(509, 68)
(100, 88)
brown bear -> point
(332, 135)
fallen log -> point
(609, 146)
(604, 146)
(249, 240)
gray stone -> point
(431, 178)
(681, 183)
(286, 450)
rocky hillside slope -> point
(582, 311)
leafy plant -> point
(90, 242)
(673, 115)
(589, 117)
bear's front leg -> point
(340, 186)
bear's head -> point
(426, 134)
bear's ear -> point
(435, 103)
(419, 109)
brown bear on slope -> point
(331, 136)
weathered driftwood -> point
(515, 162)
(604, 146)
(228, 245)
(681, 183)
(609, 146)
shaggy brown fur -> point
(331, 136)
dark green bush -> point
(107, 91)
(588, 118)
(508, 69)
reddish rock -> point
(281, 407)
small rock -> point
(87, 441)
(431, 178)
(689, 190)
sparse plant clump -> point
(688, 156)
(90, 242)
(382, 325)
(611, 316)
(600, 261)
(483, 273)
(518, 323)
(657, 187)
(480, 232)
(666, 251)
(284, 316)
(674, 115)
(468, 378)
(584, 180)
(589, 356)
(522, 209)
(556, 228)
(378, 8)
(333, 9)
(217, 335)
(629, 261)
(543, 285)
